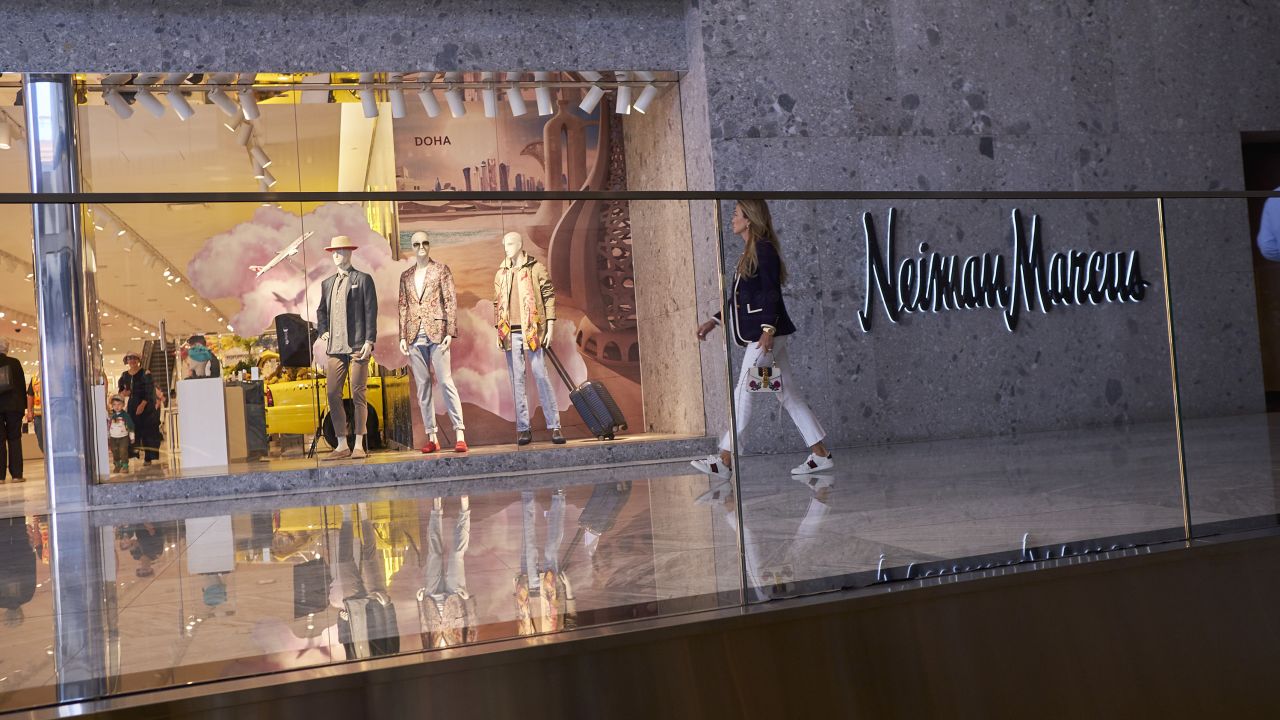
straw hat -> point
(340, 242)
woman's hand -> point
(705, 329)
(766, 342)
(142, 407)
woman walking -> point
(760, 323)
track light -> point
(429, 101)
(244, 131)
(149, 102)
(489, 95)
(543, 93)
(588, 104)
(514, 98)
(454, 95)
(268, 178)
(367, 97)
(117, 103)
(5, 140)
(648, 94)
(219, 97)
(397, 95)
(623, 106)
(258, 170)
(259, 156)
(177, 100)
(249, 104)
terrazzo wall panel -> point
(341, 35)
(1075, 95)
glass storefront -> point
(922, 388)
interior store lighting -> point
(367, 97)
(454, 96)
(489, 95)
(589, 103)
(429, 101)
(149, 102)
(177, 100)
(219, 97)
(118, 104)
(623, 106)
(244, 131)
(259, 156)
(648, 94)
(249, 105)
(268, 178)
(543, 93)
(396, 95)
(514, 98)
(5, 139)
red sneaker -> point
(430, 447)
(461, 447)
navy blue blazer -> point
(362, 308)
(757, 300)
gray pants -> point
(336, 373)
(430, 362)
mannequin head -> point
(421, 247)
(341, 258)
(513, 244)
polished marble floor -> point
(213, 590)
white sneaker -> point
(712, 465)
(814, 464)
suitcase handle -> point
(555, 361)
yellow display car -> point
(292, 400)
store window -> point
(224, 325)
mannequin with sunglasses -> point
(428, 324)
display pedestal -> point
(202, 413)
(103, 452)
(237, 442)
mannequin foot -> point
(358, 452)
(524, 437)
(431, 445)
(461, 445)
(339, 453)
(557, 437)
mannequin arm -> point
(546, 338)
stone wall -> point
(1074, 95)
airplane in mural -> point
(290, 250)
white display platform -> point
(202, 411)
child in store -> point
(119, 435)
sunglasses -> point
(421, 244)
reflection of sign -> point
(420, 141)
(934, 282)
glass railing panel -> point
(992, 379)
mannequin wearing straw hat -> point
(347, 320)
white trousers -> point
(790, 397)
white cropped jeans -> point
(790, 397)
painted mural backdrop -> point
(586, 245)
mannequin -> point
(347, 329)
(428, 323)
(524, 312)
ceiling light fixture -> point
(589, 103)
(177, 100)
(244, 131)
(219, 97)
(543, 93)
(648, 94)
(367, 97)
(514, 98)
(149, 102)
(623, 106)
(397, 95)
(249, 105)
(268, 178)
(489, 95)
(117, 103)
(429, 101)
(454, 95)
(259, 156)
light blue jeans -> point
(530, 565)
(516, 360)
(431, 362)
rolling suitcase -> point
(593, 402)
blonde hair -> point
(759, 229)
